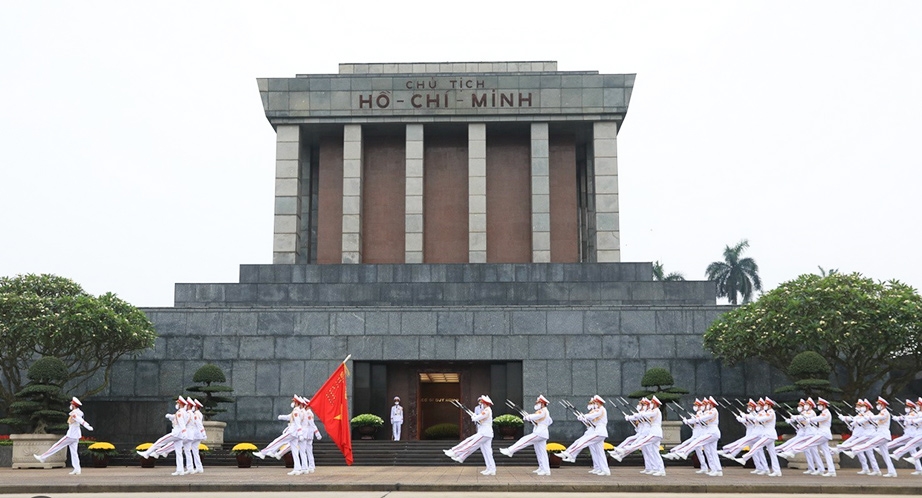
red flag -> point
(330, 405)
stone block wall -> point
(271, 349)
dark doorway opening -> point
(426, 387)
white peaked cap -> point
(542, 399)
(712, 401)
(597, 399)
(75, 401)
(655, 401)
(198, 403)
(396, 398)
(486, 399)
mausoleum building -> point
(455, 228)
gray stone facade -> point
(578, 329)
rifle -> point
(633, 422)
(457, 404)
(680, 407)
(729, 405)
(576, 412)
(517, 408)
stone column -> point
(540, 195)
(477, 192)
(352, 194)
(605, 161)
(285, 241)
(414, 194)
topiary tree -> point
(48, 315)
(662, 380)
(41, 405)
(211, 376)
(810, 373)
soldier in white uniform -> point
(396, 418)
(483, 439)
(818, 440)
(295, 435)
(911, 441)
(730, 450)
(860, 425)
(540, 419)
(648, 421)
(173, 440)
(70, 440)
(272, 449)
(309, 433)
(596, 421)
(881, 437)
(708, 419)
(197, 429)
(764, 427)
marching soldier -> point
(748, 420)
(764, 423)
(596, 422)
(881, 436)
(540, 419)
(70, 440)
(483, 439)
(708, 420)
(172, 441)
(912, 435)
(648, 422)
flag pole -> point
(347, 358)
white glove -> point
(318, 436)
(89, 428)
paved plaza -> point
(360, 481)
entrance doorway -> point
(421, 384)
(438, 418)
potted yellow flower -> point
(552, 459)
(146, 463)
(244, 454)
(100, 453)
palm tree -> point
(660, 274)
(734, 275)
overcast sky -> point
(134, 151)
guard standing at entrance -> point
(396, 418)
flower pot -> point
(289, 460)
(148, 463)
(367, 431)
(25, 445)
(100, 461)
(214, 433)
(554, 460)
(245, 460)
(508, 431)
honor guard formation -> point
(812, 422)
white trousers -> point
(540, 444)
(65, 442)
(395, 430)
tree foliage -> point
(41, 404)
(48, 315)
(212, 377)
(870, 332)
(735, 275)
(659, 274)
(658, 382)
(810, 373)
